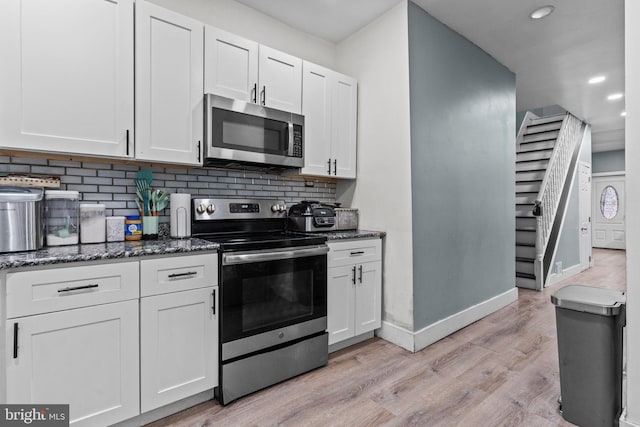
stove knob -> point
(275, 208)
(283, 208)
(211, 209)
(201, 208)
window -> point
(609, 202)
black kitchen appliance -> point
(310, 215)
(273, 294)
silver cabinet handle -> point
(262, 256)
(78, 288)
(360, 270)
(356, 253)
(353, 277)
(329, 169)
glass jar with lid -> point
(61, 217)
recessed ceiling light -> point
(615, 96)
(623, 114)
(597, 79)
(541, 12)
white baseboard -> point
(566, 273)
(397, 335)
(626, 423)
(416, 341)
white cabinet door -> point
(368, 312)
(179, 343)
(169, 86)
(317, 111)
(66, 77)
(329, 105)
(230, 65)
(340, 303)
(87, 358)
(280, 82)
(344, 126)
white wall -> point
(632, 166)
(378, 56)
(249, 23)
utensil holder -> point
(149, 227)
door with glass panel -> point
(608, 212)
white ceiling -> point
(553, 57)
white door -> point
(169, 86)
(344, 124)
(316, 108)
(608, 212)
(179, 346)
(280, 84)
(230, 65)
(87, 358)
(66, 80)
(585, 215)
(340, 303)
(368, 312)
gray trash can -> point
(589, 322)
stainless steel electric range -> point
(273, 294)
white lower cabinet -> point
(86, 357)
(354, 288)
(178, 347)
(81, 335)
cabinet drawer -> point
(55, 289)
(164, 275)
(354, 251)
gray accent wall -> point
(608, 161)
(462, 170)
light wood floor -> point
(499, 371)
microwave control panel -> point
(297, 141)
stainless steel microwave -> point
(243, 134)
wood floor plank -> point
(499, 371)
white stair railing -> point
(550, 193)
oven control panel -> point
(205, 209)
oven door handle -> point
(262, 256)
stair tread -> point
(528, 180)
(525, 275)
(547, 119)
(521, 259)
(532, 129)
(528, 245)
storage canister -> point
(92, 223)
(115, 229)
(133, 227)
(21, 227)
(61, 213)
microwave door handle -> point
(290, 141)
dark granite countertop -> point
(350, 234)
(101, 251)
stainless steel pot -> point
(21, 225)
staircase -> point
(546, 150)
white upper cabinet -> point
(344, 125)
(231, 64)
(316, 108)
(243, 69)
(329, 106)
(280, 82)
(169, 86)
(66, 76)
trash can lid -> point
(606, 302)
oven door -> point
(272, 297)
(246, 132)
